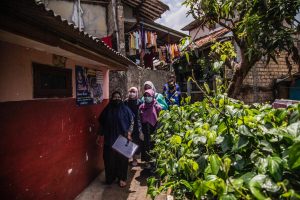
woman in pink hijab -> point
(149, 112)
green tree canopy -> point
(259, 28)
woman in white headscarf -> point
(133, 102)
(159, 97)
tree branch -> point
(223, 24)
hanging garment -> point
(143, 39)
(152, 39)
(77, 15)
(140, 41)
(146, 38)
(107, 40)
(137, 38)
(155, 42)
(160, 56)
(149, 37)
(132, 41)
(163, 52)
(177, 52)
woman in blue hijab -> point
(116, 119)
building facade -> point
(54, 82)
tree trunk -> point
(236, 83)
(238, 78)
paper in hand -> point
(125, 147)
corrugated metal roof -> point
(149, 9)
(35, 12)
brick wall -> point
(258, 84)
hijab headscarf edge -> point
(151, 85)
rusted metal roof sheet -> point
(210, 37)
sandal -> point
(122, 184)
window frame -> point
(39, 92)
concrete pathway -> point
(136, 188)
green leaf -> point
(262, 164)
(186, 184)
(212, 136)
(244, 130)
(222, 127)
(247, 177)
(227, 143)
(202, 163)
(243, 142)
(187, 56)
(275, 167)
(175, 140)
(195, 165)
(207, 88)
(228, 197)
(294, 129)
(239, 162)
(199, 188)
(227, 163)
(215, 162)
(255, 186)
(294, 156)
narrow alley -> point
(204, 94)
(135, 190)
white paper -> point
(125, 147)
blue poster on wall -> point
(88, 86)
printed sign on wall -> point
(88, 86)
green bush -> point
(221, 148)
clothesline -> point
(139, 40)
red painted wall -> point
(48, 148)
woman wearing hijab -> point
(159, 97)
(133, 102)
(116, 119)
(149, 112)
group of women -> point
(135, 118)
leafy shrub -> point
(221, 148)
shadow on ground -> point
(136, 187)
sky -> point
(175, 17)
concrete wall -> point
(136, 77)
(16, 82)
(48, 147)
(94, 16)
